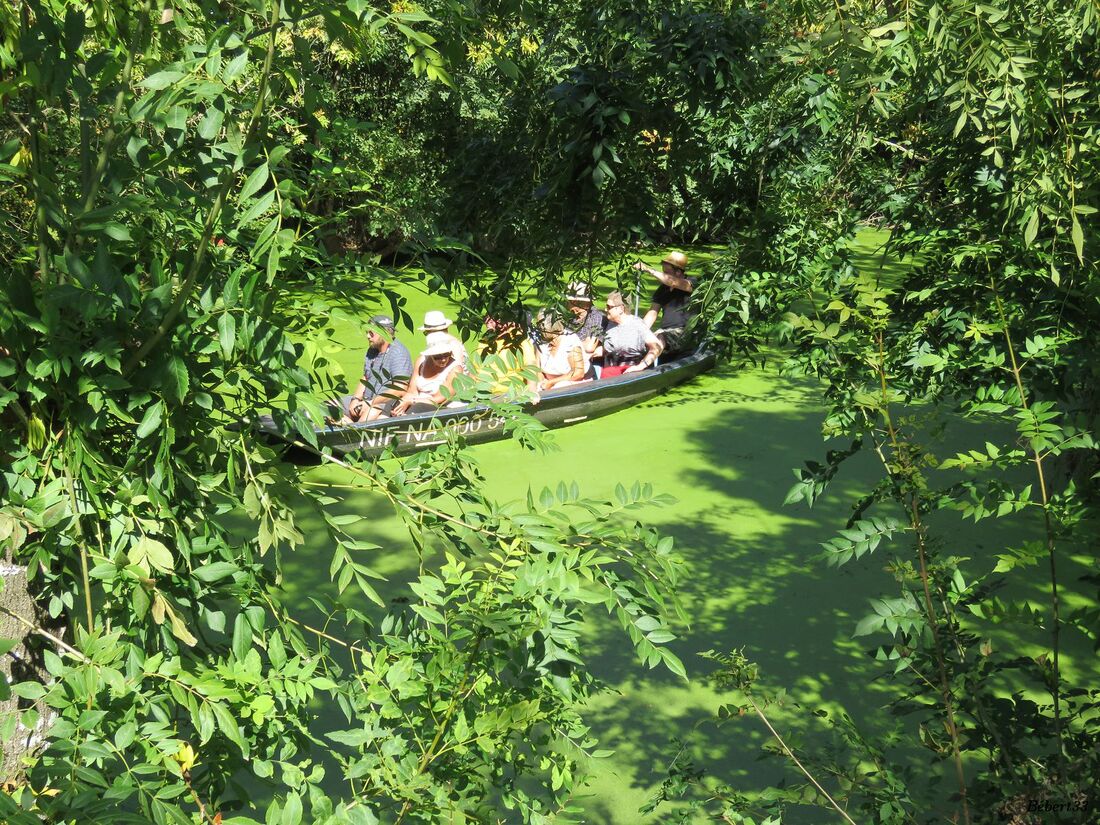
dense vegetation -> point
(177, 176)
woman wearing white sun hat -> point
(437, 322)
(434, 372)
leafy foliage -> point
(157, 202)
(970, 132)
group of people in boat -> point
(589, 344)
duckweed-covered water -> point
(724, 446)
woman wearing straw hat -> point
(435, 372)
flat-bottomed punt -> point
(478, 423)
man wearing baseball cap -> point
(671, 299)
(386, 370)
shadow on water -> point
(750, 583)
(753, 582)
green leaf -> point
(292, 810)
(148, 552)
(227, 334)
(228, 725)
(29, 690)
(960, 123)
(507, 67)
(254, 182)
(180, 631)
(151, 420)
(211, 124)
(161, 80)
(868, 625)
(175, 383)
(242, 637)
(1078, 238)
(1032, 228)
(235, 67)
(257, 208)
(672, 662)
(214, 571)
(352, 738)
(125, 735)
(117, 231)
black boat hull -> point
(477, 424)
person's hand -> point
(635, 368)
(355, 408)
(640, 266)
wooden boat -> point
(478, 423)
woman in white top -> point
(561, 356)
(436, 370)
(437, 322)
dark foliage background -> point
(176, 176)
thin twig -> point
(45, 634)
(796, 761)
(933, 619)
(1056, 626)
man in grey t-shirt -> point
(629, 345)
(386, 370)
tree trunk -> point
(21, 663)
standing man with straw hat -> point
(671, 299)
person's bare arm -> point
(672, 281)
(396, 389)
(438, 397)
(576, 370)
(355, 404)
(576, 364)
(651, 317)
(654, 348)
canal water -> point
(725, 447)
